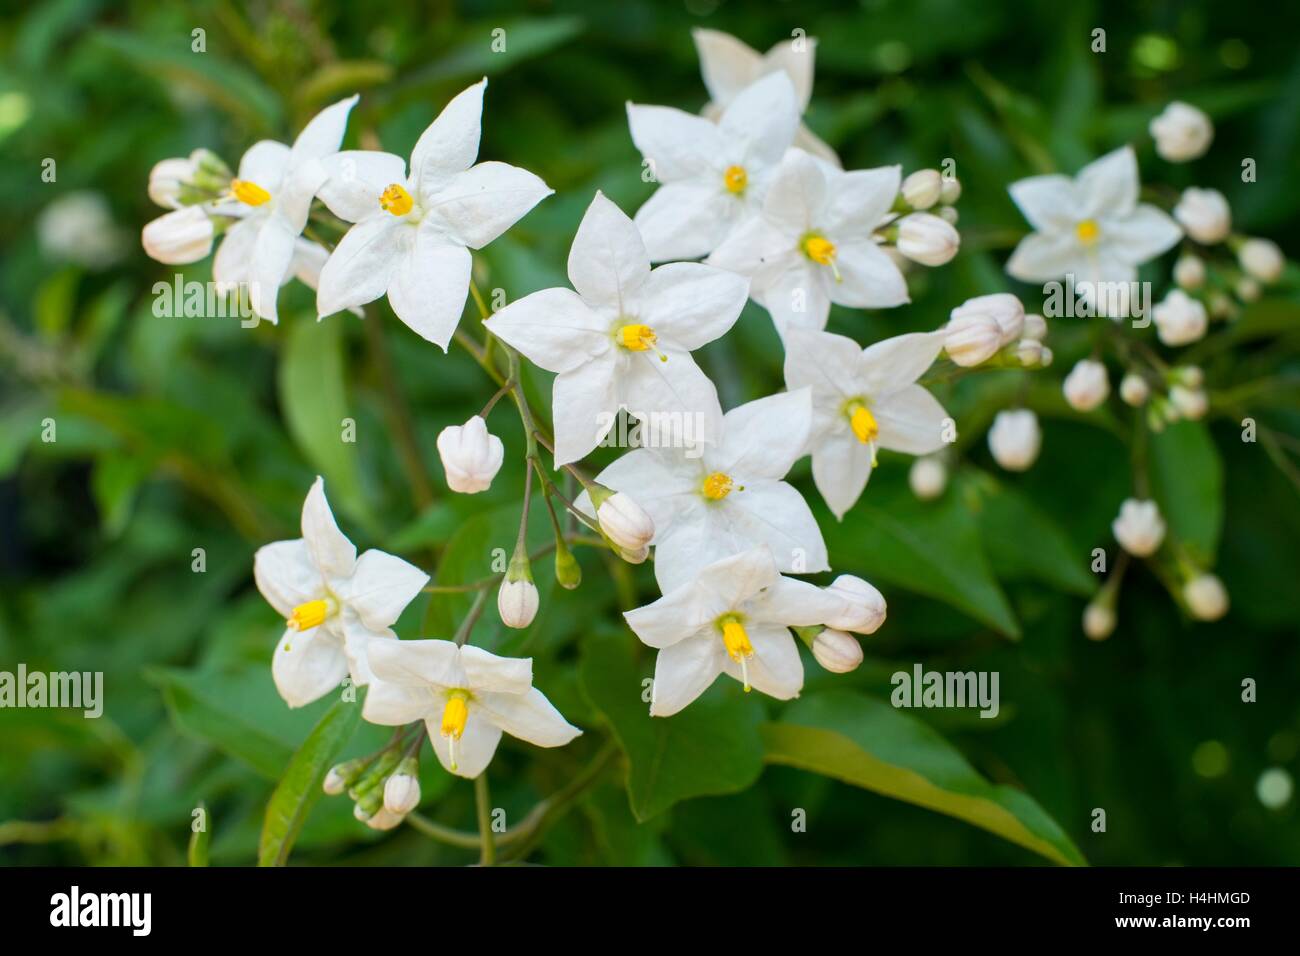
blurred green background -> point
(183, 433)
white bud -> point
(1204, 213)
(1029, 353)
(927, 239)
(167, 178)
(1098, 620)
(1180, 319)
(951, 191)
(922, 189)
(864, 609)
(334, 783)
(1191, 403)
(471, 456)
(928, 477)
(1189, 271)
(837, 651)
(1206, 597)
(1046, 358)
(179, 237)
(635, 557)
(1005, 308)
(625, 521)
(1182, 132)
(1086, 386)
(1139, 528)
(1035, 327)
(384, 819)
(1247, 289)
(948, 214)
(972, 338)
(401, 794)
(1189, 375)
(1134, 390)
(1015, 439)
(517, 602)
(1262, 259)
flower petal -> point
(675, 387)
(795, 298)
(330, 548)
(286, 575)
(584, 403)
(265, 163)
(608, 260)
(677, 144)
(685, 220)
(429, 286)
(324, 132)
(308, 665)
(841, 466)
(690, 304)
(911, 420)
(683, 612)
(799, 194)
(775, 668)
(528, 716)
(417, 663)
(798, 63)
(357, 178)
(1108, 186)
(764, 116)
(1043, 256)
(494, 674)
(860, 200)
(868, 278)
(793, 603)
(727, 65)
(474, 749)
(478, 205)
(272, 254)
(825, 362)
(683, 672)
(765, 437)
(232, 265)
(392, 705)
(553, 328)
(450, 144)
(1142, 235)
(890, 364)
(381, 587)
(775, 515)
(1048, 202)
(362, 264)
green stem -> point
(483, 801)
(398, 412)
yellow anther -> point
(717, 486)
(736, 641)
(1087, 231)
(863, 423)
(735, 179)
(249, 193)
(396, 200)
(638, 338)
(819, 249)
(309, 615)
(454, 714)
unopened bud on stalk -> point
(1189, 271)
(179, 237)
(928, 477)
(1205, 214)
(1134, 390)
(1005, 309)
(470, 455)
(1262, 259)
(951, 191)
(517, 599)
(1182, 132)
(622, 519)
(1247, 289)
(402, 791)
(384, 819)
(1029, 353)
(1180, 319)
(1206, 597)
(1086, 386)
(1035, 327)
(1098, 620)
(635, 557)
(972, 338)
(864, 607)
(1015, 439)
(837, 651)
(927, 239)
(567, 570)
(1192, 403)
(922, 189)
(1139, 527)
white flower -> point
(1182, 132)
(922, 189)
(1189, 271)
(728, 66)
(813, 243)
(972, 338)
(1139, 528)
(1262, 259)
(1206, 597)
(837, 651)
(1098, 620)
(927, 239)
(713, 502)
(402, 789)
(624, 339)
(1086, 386)
(1015, 439)
(166, 180)
(178, 237)
(732, 617)
(1134, 390)
(79, 227)
(1090, 227)
(517, 602)
(186, 180)
(1180, 319)
(928, 477)
(711, 175)
(466, 698)
(864, 607)
(271, 197)
(1205, 214)
(1191, 403)
(1003, 307)
(335, 604)
(628, 524)
(470, 455)
(863, 399)
(414, 231)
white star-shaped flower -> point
(733, 617)
(335, 604)
(624, 338)
(813, 243)
(863, 400)
(729, 66)
(713, 502)
(1091, 227)
(711, 175)
(466, 697)
(414, 231)
(271, 197)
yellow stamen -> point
(309, 615)
(248, 192)
(638, 338)
(454, 715)
(735, 179)
(396, 200)
(1087, 231)
(819, 249)
(738, 647)
(863, 423)
(717, 486)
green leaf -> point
(115, 482)
(1187, 482)
(869, 744)
(200, 840)
(314, 398)
(932, 548)
(711, 747)
(300, 787)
